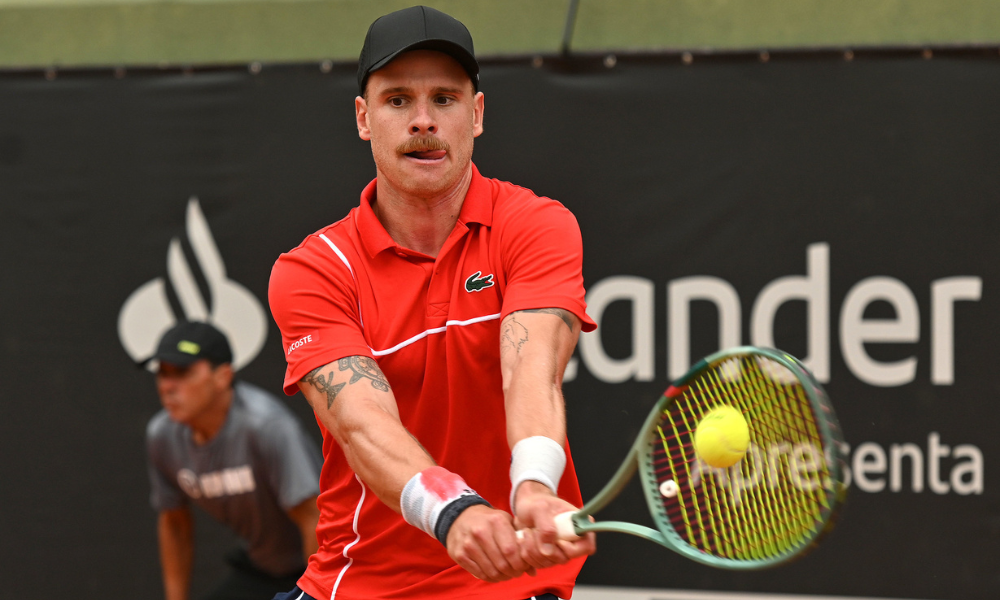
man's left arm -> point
(535, 346)
(305, 515)
(292, 464)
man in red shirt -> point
(429, 331)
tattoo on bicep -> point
(362, 367)
(324, 385)
(565, 315)
(513, 335)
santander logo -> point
(147, 313)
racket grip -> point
(564, 527)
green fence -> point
(74, 33)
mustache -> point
(422, 144)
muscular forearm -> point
(176, 539)
(360, 412)
(379, 450)
(534, 348)
(534, 403)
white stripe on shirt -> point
(343, 258)
(427, 332)
(337, 251)
(350, 561)
(420, 335)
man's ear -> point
(361, 113)
(223, 375)
(477, 118)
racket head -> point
(779, 500)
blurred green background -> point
(95, 33)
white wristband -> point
(536, 458)
(433, 499)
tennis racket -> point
(773, 505)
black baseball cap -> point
(189, 341)
(416, 28)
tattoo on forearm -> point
(325, 385)
(513, 335)
(563, 314)
(361, 367)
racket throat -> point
(583, 525)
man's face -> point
(188, 392)
(421, 115)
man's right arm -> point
(353, 400)
(175, 529)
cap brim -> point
(460, 54)
(173, 358)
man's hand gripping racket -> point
(772, 505)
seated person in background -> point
(239, 454)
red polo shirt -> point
(433, 325)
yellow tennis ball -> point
(722, 437)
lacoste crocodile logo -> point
(476, 282)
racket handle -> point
(564, 527)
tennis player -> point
(429, 330)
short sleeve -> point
(314, 302)
(542, 255)
(164, 491)
(291, 460)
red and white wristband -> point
(433, 498)
(537, 458)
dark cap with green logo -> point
(189, 341)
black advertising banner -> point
(844, 211)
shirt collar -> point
(478, 205)
(476, 208)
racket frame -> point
(636, 458)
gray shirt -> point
(260, 464)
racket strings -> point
(764, 472)
(789, 426)
(747, 505)
(772, 501)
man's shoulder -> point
(317, 255)
(161, 426)
(318, 242)
(511, 197)
(164, 436)
(259, 406)
(520, 207)
(265, 422)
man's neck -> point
(208, 424)
(418, 223)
